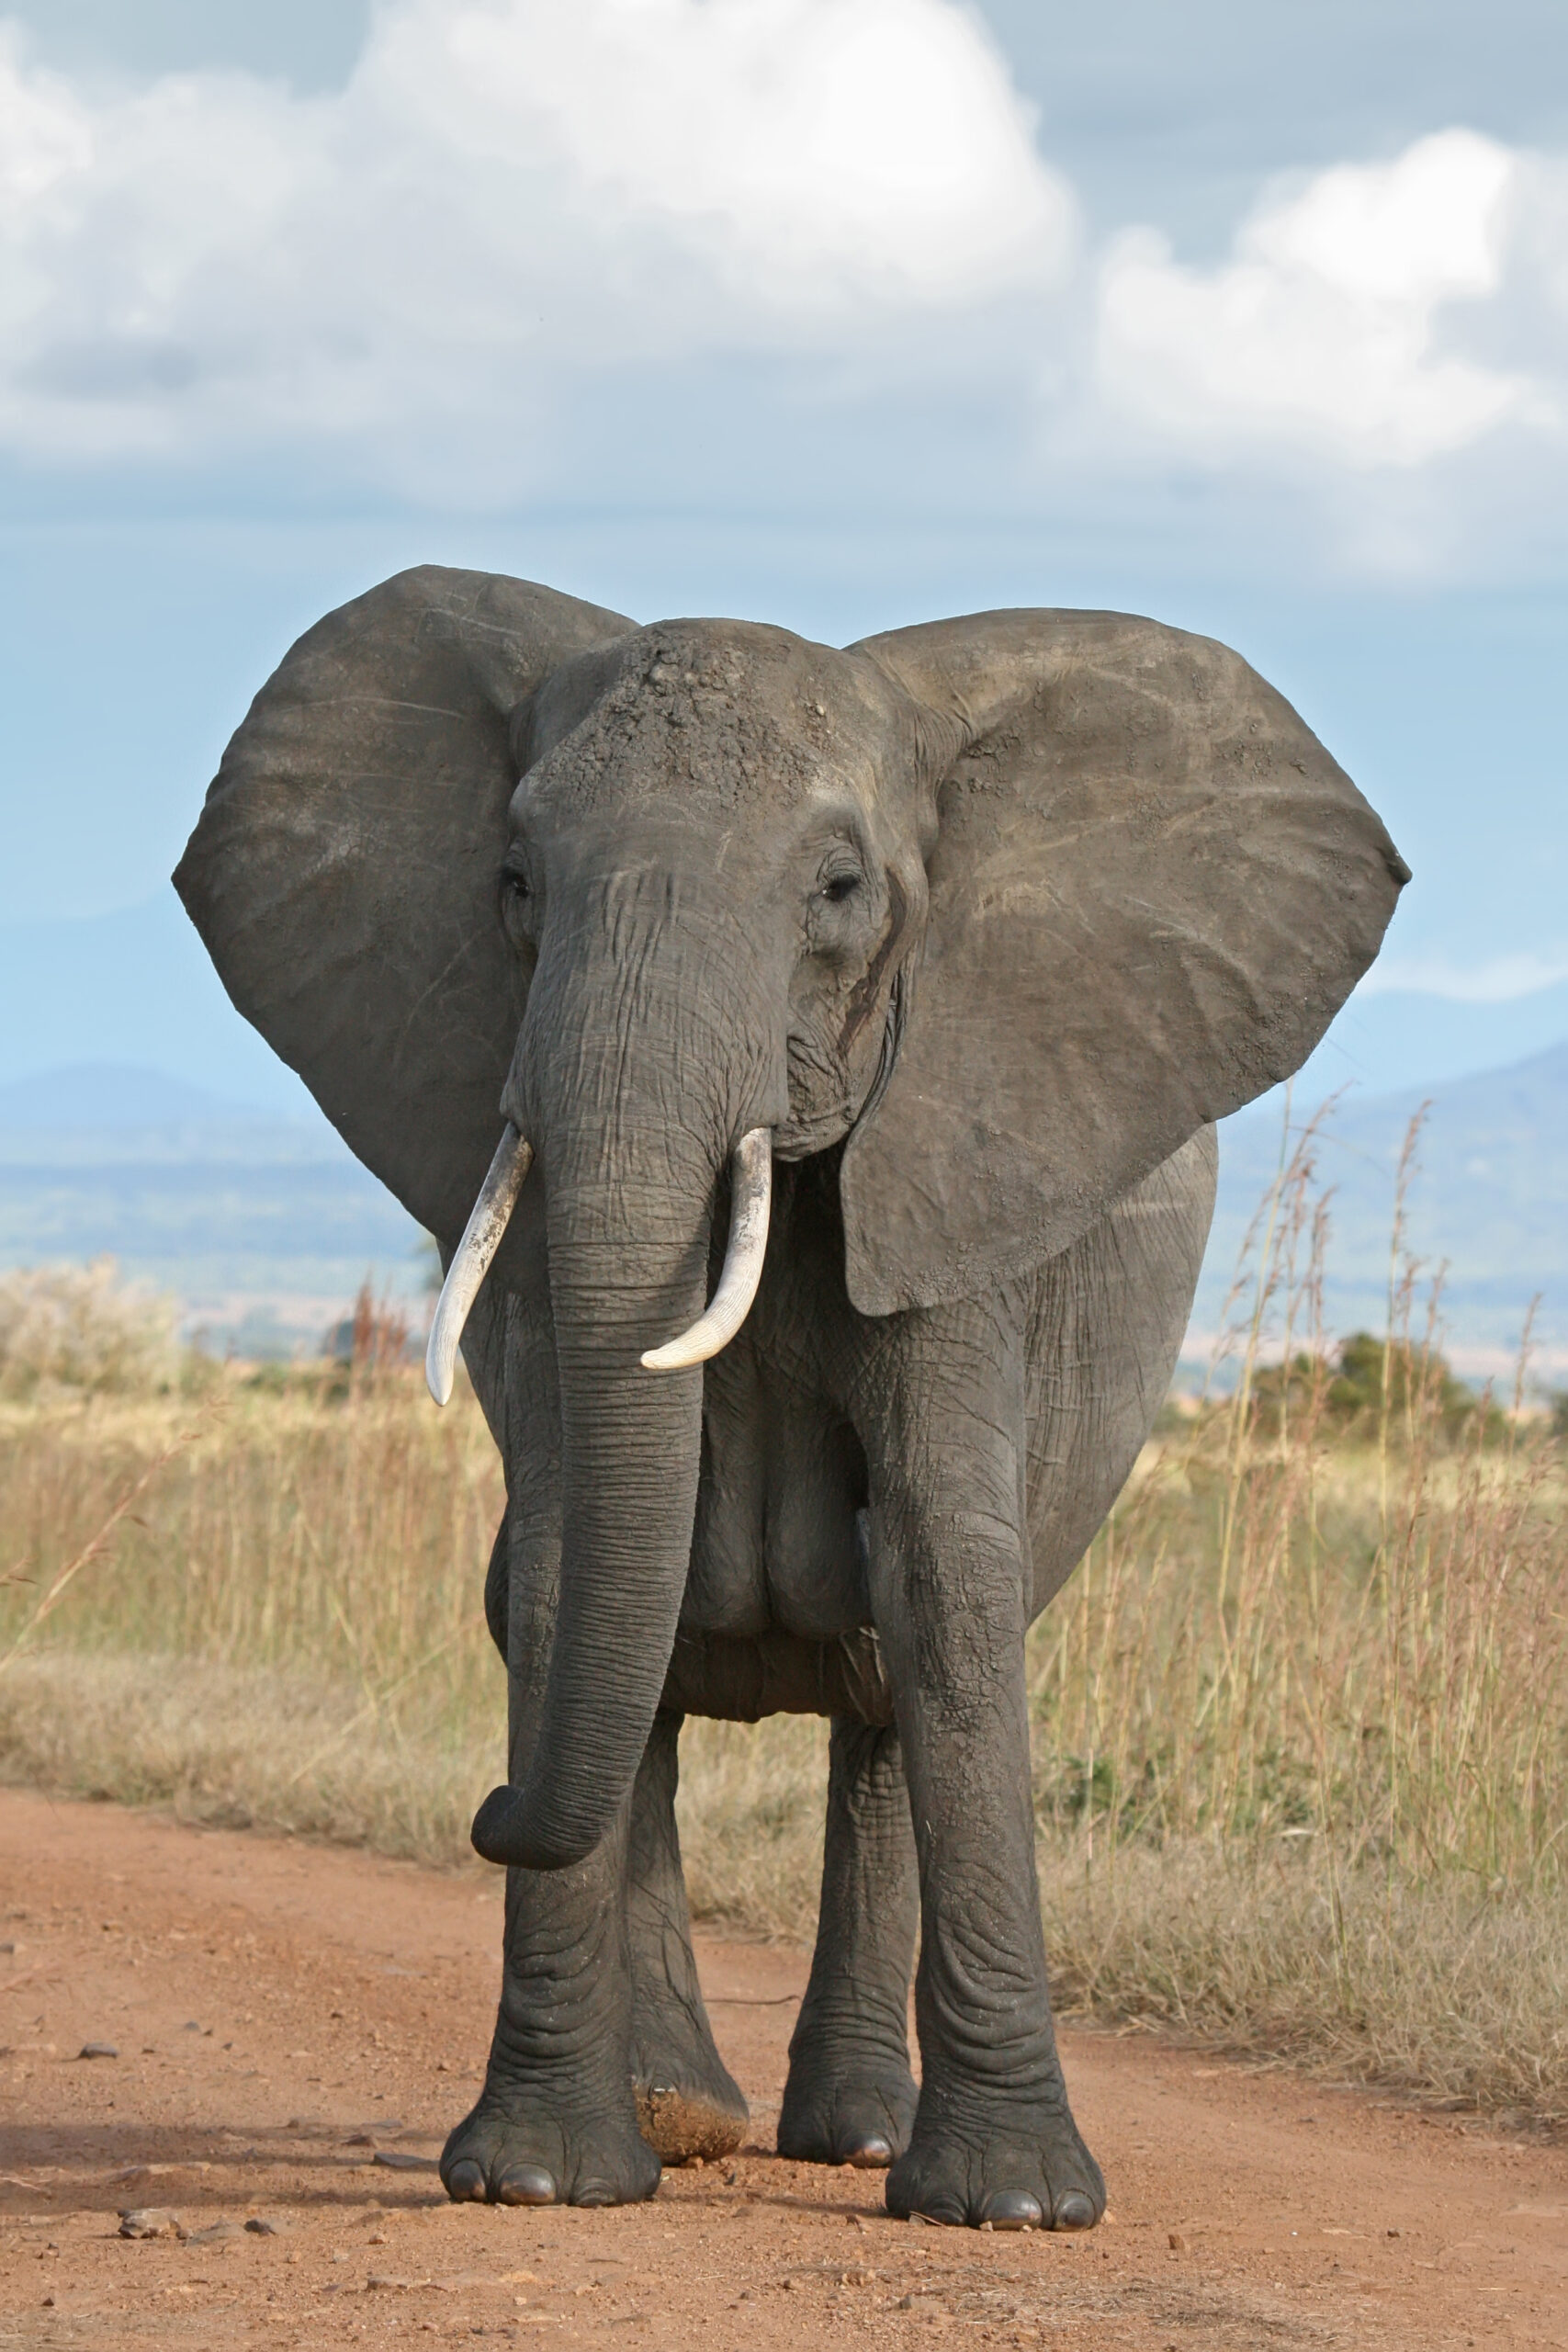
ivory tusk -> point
(481, 1239)
(751, 1183)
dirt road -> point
(294, 2029)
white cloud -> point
(507, 193)
(1339, 326)
(1499, 980)
(516, 208)
(43, 131)
(843, 147)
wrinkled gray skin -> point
(987, 924)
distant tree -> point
(1348, 1389)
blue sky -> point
(842, 312)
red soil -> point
(282, 2012)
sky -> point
(841, 314)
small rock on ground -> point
(149, 2222)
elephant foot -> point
(846, 2103)
(1026, 2173)
(517, 2148)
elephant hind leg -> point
(851, 2096)
(688, 2103)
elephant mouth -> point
(750, 1172)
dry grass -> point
(240, 1747)
(1301, 1719)
(317, 1521)
(751, 1803)
(1428, 1986)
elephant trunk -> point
(630, 1449)
(632, 1165)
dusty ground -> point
(295, 2027)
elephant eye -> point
(515, 905)
(840, 887)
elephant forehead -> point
(725, 713)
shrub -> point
(1348, 1391)
(81, 1326)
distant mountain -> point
(136, 987)
(247, 1214)
(1384, 1041)
(1489, 1196)
(128, 989)
(112, 1094)
(112, 1113)
(260, 1223)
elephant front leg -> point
(557, 2121)
(993, 2138)
(850, 2097)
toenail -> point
(871, 2154)
(465, 2182)
(1012, 2208)
(526, 2185)
(595, 2192)
(1074, 2211)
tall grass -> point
(289, 1626)
(1291, 1631)
(346, 1540)
(1300, 1719)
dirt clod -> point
(216, 2233)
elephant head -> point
(1005, 907)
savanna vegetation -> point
(1301, 1717)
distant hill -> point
(1385, 1040)
(114, 1094)
(128, 988)
(1490, 1197)
(264, 1226)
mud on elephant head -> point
(998, 911)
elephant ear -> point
(1151, 892)
(345, 872)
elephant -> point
(843, 1034)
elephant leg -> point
(557, 2121)
(993, 2138)
(688, 2103)
(850, 2098)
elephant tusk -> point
(751, 1184)
(481, 1239)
